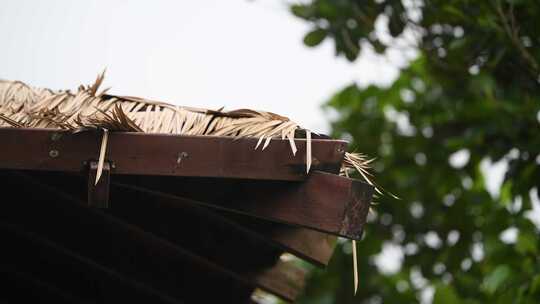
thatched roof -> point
(88, 108)
(22, 106)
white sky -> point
(234, 53)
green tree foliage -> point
(474, 88)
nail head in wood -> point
(54, 153)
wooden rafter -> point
(181, 214)
(53, 270)
(323, 202)
(158, 250)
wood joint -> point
(98, 193)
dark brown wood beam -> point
(107, 241)
(166, 155)
(284, 278)
(310, 245)
(313, 246)
(200, 233)
(324, 202)
(42, 270)
(19, 287)
(41, 275)
(203, 233)
(98, 193)
(183, 216)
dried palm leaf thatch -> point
(23, 106)
(87, 108)
(360, 163)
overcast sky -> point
(234, 53)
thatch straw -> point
(87, 108)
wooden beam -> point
(284, 278)
(98, 193)
(57, 266)
(310, 245)
(114, 244)
(20, 287)
(313, 246)
(166, 155)
(203, 233)
(183, 216)
(198, 234)
(324, 202)
(47, 270)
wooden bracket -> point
(98, 194)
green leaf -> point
(516, 2)
(457, 44)
(445, 294)
(315, 37)
(506, 193)
(507, 297)
(535, 285)
(527, 243)
(302, 11)
(496, 278)
(452, 10)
